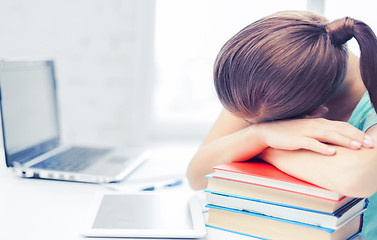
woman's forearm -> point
(233, 139)
(349, 172)
(240, 145)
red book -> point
(261, 173)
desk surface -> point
(44, 210)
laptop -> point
(31, 133)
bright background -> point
(135, 71)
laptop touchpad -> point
(111, 166)
(117, 160)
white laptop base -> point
(112, 167)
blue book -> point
(233, 235)
(333, 220)
(267, 227)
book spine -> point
(266, 202)
(308, 216)
(329, 230)
(309, 192)
(356, 236)
(231, 231)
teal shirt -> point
(363, 117)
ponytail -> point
(342, 30)
(287, 64)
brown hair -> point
(289, 63)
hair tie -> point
(341, 30)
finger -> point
(340, 140)
(343, 134)
(368, 141)
(357, 135)
(316, 146)
(353, 134)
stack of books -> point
(256, 199)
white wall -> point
(105, 59)
(189, 35)
(103, 51)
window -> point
(363, 10)
(188, 36)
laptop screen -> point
(29, 109)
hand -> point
(316, 134)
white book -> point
(224, 234)
(266, 227)
(328, 220)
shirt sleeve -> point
(370, 119)
(364, 115)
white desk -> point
(56, 210)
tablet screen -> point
(143, 212)
(146, 214)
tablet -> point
(146, 214)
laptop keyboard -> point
(72, 159)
